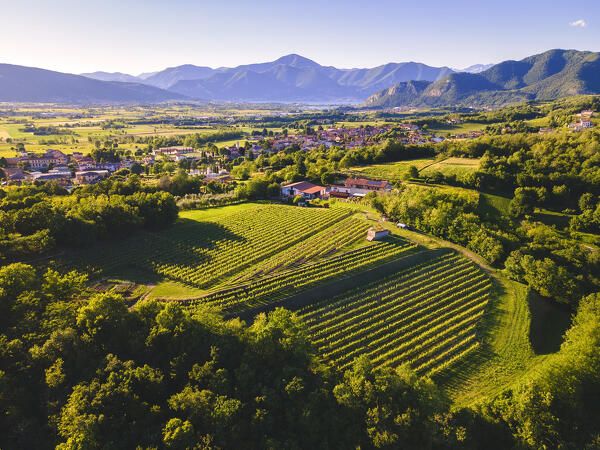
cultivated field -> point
(234, 244)
(426, 316)
(271, 289)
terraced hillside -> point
(426, 316)
(268, 290)
(235, 244)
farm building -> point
(90, 177)
(303, 188)
(359, 187)
(374, 234)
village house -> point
(172, 151)
(90, 177)
(357, 187)
(582, 124)
(14, 175)
(61, 177)
(304, 188)
(364, 185)
(50, 157)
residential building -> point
(90, 177)
(172, 151)
(304, 188)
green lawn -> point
(427, 166)
(450, 130)
(451, 166)
(391, 171)
(493, 206)
(505, 354)
(213, 213)
(166, 289)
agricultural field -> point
(398, 171)
(426, 316)
(207, 248)
(268, 290)
(80, 127)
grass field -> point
(83, 124)
(451, 130)
(517, 333)
(451, 166)
(493, 206)
(397, 171)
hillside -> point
(549, 75)
(29, 84)
(112, 76)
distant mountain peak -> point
(295, 60)
(475, 68)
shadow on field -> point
(549, 321)
(136, 257)
(561, 221)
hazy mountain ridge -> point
(112, 76)
(293, 78)
(30, 84)
(549, 75)
(289, 78)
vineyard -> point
(426, 316)
(425, 313)
(237, 246)
(274, 288)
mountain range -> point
(294, 78)
(288, 79)
(30, 84)
(549, 75)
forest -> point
(84, 371)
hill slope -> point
(112, 76)
(29, 84)
(549, 75)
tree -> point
(327, 178)
(412, 173)
(523, 202)
(136, 168)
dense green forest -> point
(81, 370)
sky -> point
(134, 36)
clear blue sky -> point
(135, 36)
